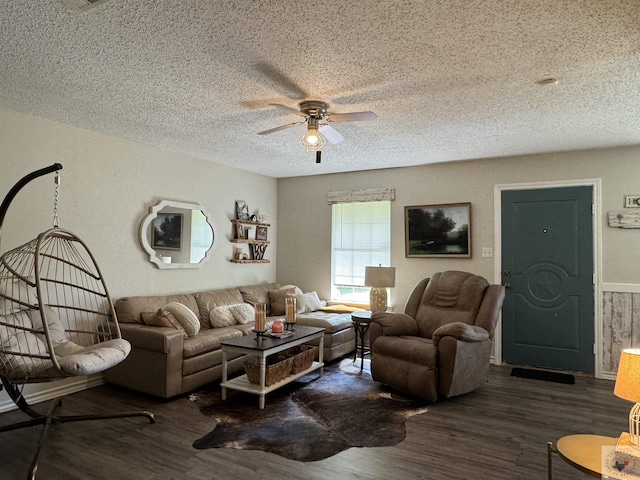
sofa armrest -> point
(155, 339)
(460, 331)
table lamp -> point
(628, 387)
(379, 278)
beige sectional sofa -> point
(165, 362)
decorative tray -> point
(285, 334)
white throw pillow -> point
(162, 318)
(185, 316)
(221, 317)
(56, 329)
(308, 302)
(243, 313)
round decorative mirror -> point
(177, 235)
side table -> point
(361, 322)
(582, 452)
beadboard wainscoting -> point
(620, 321)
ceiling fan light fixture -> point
(312, 140)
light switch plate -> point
(487, 252)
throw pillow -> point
(288, 287)
(308, 302)
(221, 317)
(243, 313)
(276, 297)
(162, 318)
(185, 317)
(19, 290)
(56, 328)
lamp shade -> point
(380, 277)
(628, 378)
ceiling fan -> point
(317, 117)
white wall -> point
(108, 185)
(304, 226)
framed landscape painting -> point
(166, 231)
(438, 230)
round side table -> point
(582, 452)
(361, 322)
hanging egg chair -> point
(56, 318)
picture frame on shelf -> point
(166, 231)
(438, 230)
(261, 233)
(239, 231)
(242, 210)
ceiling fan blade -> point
(333, 136)
(280, 81)
(277, 129)
(295, 111)
(351, 117)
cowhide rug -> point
(310, 419)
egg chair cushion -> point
(77, 360)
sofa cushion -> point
(129, 309)
(185, 316)
(211, 299)
(331, 322)
(162, 318)
(276, 297)
(308, 302)
(208, 339)
(243, 313)
(255, 294)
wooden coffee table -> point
(263, 348)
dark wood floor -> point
(498, 432)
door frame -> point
(596, 184)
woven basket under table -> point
(279, 369)
(303, 356)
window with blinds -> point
(361, 236)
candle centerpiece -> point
(260, 320)
(290, 312)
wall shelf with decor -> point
(257, 245)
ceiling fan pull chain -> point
(56, 196)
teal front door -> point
(547, 267)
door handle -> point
(506, 285)
(506, 273)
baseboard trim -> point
(61, 388)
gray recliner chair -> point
(441, 344)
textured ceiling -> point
(448, 79)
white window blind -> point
(360, 236)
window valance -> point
(364, 195)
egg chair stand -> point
(57, 320)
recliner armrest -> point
(395, 324)
(460, 331)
